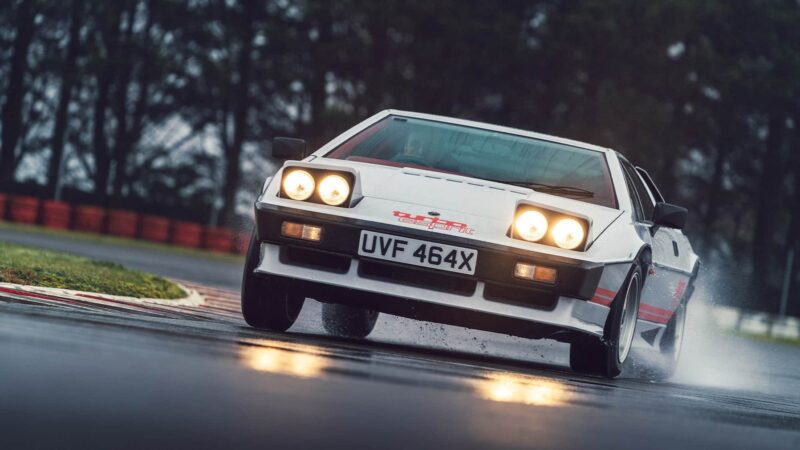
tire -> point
(670, 348)
(348, 321)
(605, 357)
(268, 302)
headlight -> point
(568, 233)
(531, 225)
(334, 190)
(298, 185)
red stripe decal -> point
(601, 300)
(605, 293)
(652, 318)
(655, 310)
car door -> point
(685, 258)
(667, 279)
(642, 209)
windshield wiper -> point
(571, 191)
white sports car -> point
(475, 225)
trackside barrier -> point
(122, 223)
(3, 201)
(243, 242)
(155, 228)
(754, 322)
(88, 219)
(56, 214)
(219, 239)
(24, 209)
(187, 234)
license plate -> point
(417, 252)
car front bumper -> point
(492, 299)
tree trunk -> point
(133, 130)
(68, 76)
(102, 159)
(714, 193)
(763, 243)
(122, 77)
(234, 151)
(12, 109)
(316, 132)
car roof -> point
(498, 128)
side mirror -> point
(669, 215)
(288, 148)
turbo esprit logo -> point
(433, 223)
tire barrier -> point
(155, 228)
(187, 234)
(56, 214)
(3, 201)
(88, 219)
(219, 239)
(120, 223)
(243, 242)
(23, 209)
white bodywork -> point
(614, 237)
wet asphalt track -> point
(89, 378)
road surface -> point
(85, 376)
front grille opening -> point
(426, 279)
(315, 259)
(520, 296)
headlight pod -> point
(334, 190)
(531, 225)
(314, 185)
(547, 227)
(298, 184)
(568, 233)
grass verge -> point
(133, 243)
(35, 267)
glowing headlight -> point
(298, 185)
(568, 233)
(531, 225)
(334, 190)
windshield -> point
(544, 166)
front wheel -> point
(348, 321)
(268, 302)
(605, 357)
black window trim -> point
(638, 208)
(651, 185)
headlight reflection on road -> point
(286, 362)
(526, 390)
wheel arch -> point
(645, 259)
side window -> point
(646, 203)
(637, 204)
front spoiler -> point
(569, 312)
(474, 311)
(576, 278)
